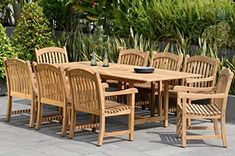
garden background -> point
(194, 27)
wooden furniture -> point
(88, 96)
(167, 61)
(129, 57)
(20, 84)
(133, 57)
(215, 110)
(51, 91)
(51, 55)
(125, 73)
(203, 65)
(160, 60)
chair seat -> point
(115, 108)
(202, 109)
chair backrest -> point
(19, 78)
(86, 90)
(133, 57)
(52, 55)
(166, 60)
(223, 86)
(203, 65)
(51, 84)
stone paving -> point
(150, 139)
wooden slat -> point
(14, 112)
(133, 57)
(51, 55)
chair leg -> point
(93, 118)
(178, 122)
(72, 124)
(188, 122)
(223, 132)
(61, 113)
(65, 122)
(102, 130)
(184, 124)
(8, 117)
(32, 113)
(216, 129)
(39, 116)
(131, 125)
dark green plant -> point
(6, 49)
(90, 9)
(31, 32)
(58, 13)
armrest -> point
(196, 96)
(195, 80)
(105, 85)
(193, 89)
(121, 92)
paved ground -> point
(150, 139)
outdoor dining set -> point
(79, 87)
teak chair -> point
(52, 55)
(88, 96)
(167, 61)
(203, 65)
(133, 57)
(161, 60)
(20, 84)
(51, 91)
(129, 57)
(215, 110)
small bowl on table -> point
(144, 69)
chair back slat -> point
(167, 61)
(19, 78)
(86, 90)
(203, 65)
(51, 84)
(133, 57)
(52, 55)
(223, 86)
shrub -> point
(31, 32)
(6, 49)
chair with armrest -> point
(161, 60)
(203, 65)
(51, 91)
(88, 96)
(216, 109)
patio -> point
(150, 139)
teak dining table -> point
(125, 73)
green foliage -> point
(58, 13)
(80, 46)
(6, 49)
(89, 8)
(31, 32)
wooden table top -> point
(126, 72)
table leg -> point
(152, 99)
(166, 102)
(160, 98)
